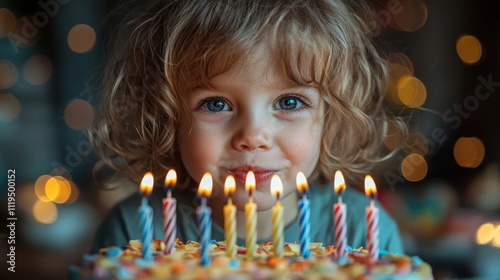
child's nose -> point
(253, 134)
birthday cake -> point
(184, 263)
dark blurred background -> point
(443, 188)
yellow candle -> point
(230, 218)
(277, 212)
(250, 217)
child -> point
(276, 87)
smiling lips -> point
(261, 174)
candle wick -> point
(169, 193)
(340, 197)
(372, 201)
(229, 200)
(278, 196)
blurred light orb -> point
(411, 91)
(396, 72)
(485, 233)
(8, 74)
(414, 167)
(412, 16)
(393, 136)
(40, 184)
(7, 22)
(58, 189)
(78, 114)
(469, 49)
(45, 212)
(416, 143)
(469, 152)
(81, 38)
(37, 70)
(496, 238)
(10, 107)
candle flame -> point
(370, 188)
(205, 188)
(339, 182)
(301, 182)
(276, 186)
(171, 178)
(147, 183)
(229, 185)
(250, 181)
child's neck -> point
(264, 218)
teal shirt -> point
(121, 224)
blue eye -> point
(215, 105)
(289, 103)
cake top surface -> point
(324, 263)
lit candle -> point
(230, 217)
(250, 217)
(372, 224)
(205, 218)
(339, 214)
(304, 216)
(146, 216)
(277, 212)
(169, 213)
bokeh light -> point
(469, 49)
(393, 136)
(58, 189)
(45, 212)
(485, 233)
(40, 187)
(396, 72)
(496, 238)
(10, 107)
(411, 16)
(469, 152)
(37, 70)
(414, 167)
(416, 143)
(8, 74)
(78, 114)
(411, 91)
(81, 38)
(7, 22)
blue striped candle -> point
(146, 216)
(304, 216)
(204, 214)
(146, 226)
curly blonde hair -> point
(174, 47)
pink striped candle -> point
(169, 213)
(372, 223)
(146, 216)
(339, 214)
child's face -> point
(254, 118)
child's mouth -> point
(261, 174)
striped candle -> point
(372, 223)
(230, 218)
(339, 214)
(146, 217)
(304, 216)
(250, 217)
(204, 214)
(169, 213)
(277, 217)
